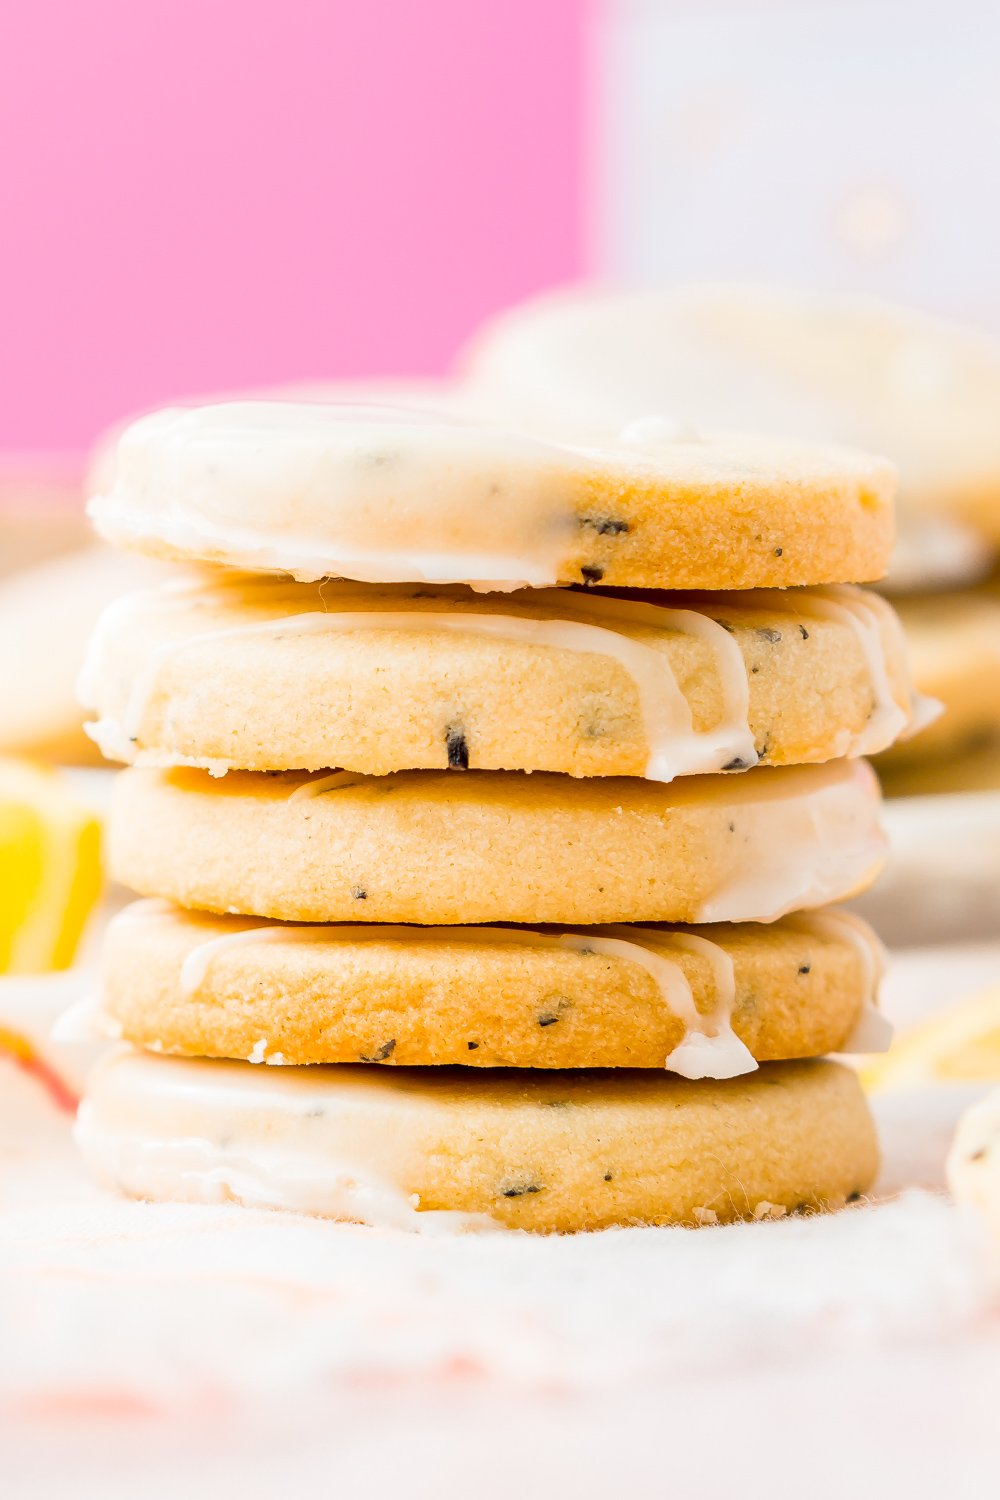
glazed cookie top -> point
(705, 1003)
(254, 673)
(920, 389)
(412, 1148)
(379, 494)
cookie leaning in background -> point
(526, 1150)
(920, 389)
(258, 674)
(380, 495)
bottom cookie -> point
(522, 1150)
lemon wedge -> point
(50, 875)
(961, 1045)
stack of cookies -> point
(494, 881)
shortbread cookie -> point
(489, 846)
(954, 642)
(543, 1151)
(922, 390)
(707, 1002)
(382, 495)
(269, 675)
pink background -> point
(202, 194)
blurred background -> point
(208, 194)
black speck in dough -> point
(608, 1176)
(472, 1046)
(591, 574)
(359, 893)
(803, 632)
(458, 748)
(805, 968)
(766, 633)
(777, 551)
(605, 525)
(736, 764)
(386, 1050)
(518, 1189)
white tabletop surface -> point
(157, 1349)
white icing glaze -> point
(872, 1031)
(381, 494)
(371, 493)
(675, 748)
(207, 1132)
(866, 615)
(805, 836)
(709, 1049)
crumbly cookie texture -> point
(489, 846)
(526, 1150)
(256, 674)
(208, 986)
(382, 495)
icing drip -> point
(709, 1049)
(201, 1170)
(674, 747)
(872, 1032)
(865, 615)
(806, 836)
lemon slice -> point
(962, 1045)
(50, 875)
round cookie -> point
(541, 1151)
(954, 642)
(385, 495)
(705, 1003)
(266, 675)
(917, 388)
(488, 846)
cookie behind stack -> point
(354, 758)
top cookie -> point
(384, 495)
(917, 388)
